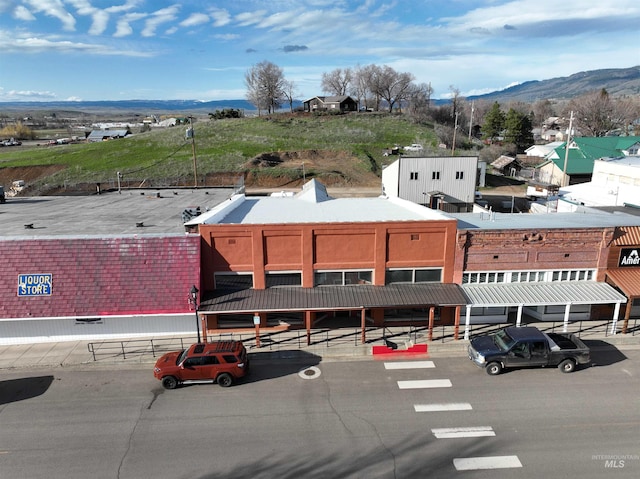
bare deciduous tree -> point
(337, 82)
(596, 113)
(542, 110)
(393, 87)
(265, 86)
(289, 90)
(420, 101)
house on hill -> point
(340, 103)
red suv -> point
(222, 362)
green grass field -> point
(356, 141)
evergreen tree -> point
(493, 123)
(518, 130)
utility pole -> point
(564, 181)
(455, 128)
(191, 134)
(471, 121)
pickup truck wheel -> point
(169, 382)
(567, 366)
(225, 380)
(493, 369)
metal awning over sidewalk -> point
(554, 293)
(333, 298)
(627, 279)
(537, 294)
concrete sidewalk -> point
(329, 345)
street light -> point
(194, 297)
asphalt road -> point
(354, 419)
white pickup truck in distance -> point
(413, 147)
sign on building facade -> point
(629, 257)
(35, 284)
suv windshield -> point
(181, 356)
(503, 340)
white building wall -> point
(416, 177)
(390, 179)
(28, 331)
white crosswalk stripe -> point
(453, 432)
(462, 406)
(424, 384)
(409, 365)
(488, 462)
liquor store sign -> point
(629, 257)
(34, 284)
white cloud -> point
(157, 18)
(250, 18)
(195, 19)
(22, 13)
(227, 36)
(123, 25)
(220, 17)
(30, 44)
(100, 18)
(53, 8)
(22, 95)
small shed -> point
(103, 135)
(506, 165)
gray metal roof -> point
(552, 293)
(158, 210)
(334, 298)
(584, 219)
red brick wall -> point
(260, 248)
(525, 249)
(101, 276)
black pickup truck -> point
(513, 347)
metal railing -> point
(342, 337)
(137, 347)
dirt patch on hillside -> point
(29, 174)
(332, 168)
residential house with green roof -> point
(577, 164)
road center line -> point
(492, 462)
(409, 365)
(426, 383)
(452, 432)
(462, 406)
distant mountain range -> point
(617, 81)
(621, 81)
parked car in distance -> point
(413, 147)
(513, 347)
(222, 362)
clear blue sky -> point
(52, 50)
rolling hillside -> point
(276, 152)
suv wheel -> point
(225, 380)
(493, 369)
(169, 382)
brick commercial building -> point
(294, 261)
(122, 265)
